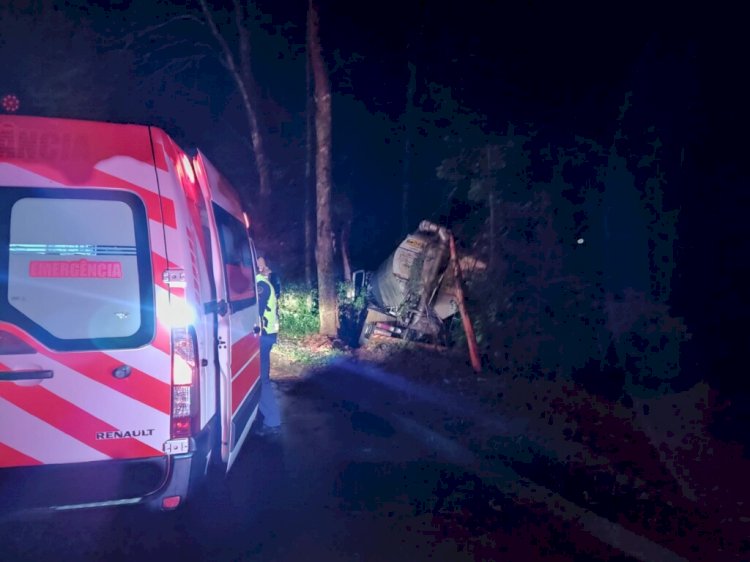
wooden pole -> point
(468, 328)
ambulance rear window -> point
(76, 267)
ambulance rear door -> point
(84, 373)
(236, 306)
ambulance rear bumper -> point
(29, 491)
(186, 471)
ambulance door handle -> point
(222, 307)
(256, 330)
(26, 375)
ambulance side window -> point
(238, 260)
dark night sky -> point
(565, 69)
(562, 68)
(543, 62)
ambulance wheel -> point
(204, 474)
(214, 484)
(216, 467)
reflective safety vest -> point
(271, 313)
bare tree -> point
(343, 217)
(242, 74)
(408, 123)
(309, 176)
(324, 247)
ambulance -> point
(129, 325)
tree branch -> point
(244, 88)
(228, 59)
(244, 36)
(130, 38)
(177, 65)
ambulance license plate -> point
(176, 446)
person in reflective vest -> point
(272, 277)
(269, 316)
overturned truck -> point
(413, 294)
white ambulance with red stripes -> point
(129, 326)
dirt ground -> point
(651, 463)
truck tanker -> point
(412, 295)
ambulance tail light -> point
(185, 372)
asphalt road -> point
(369, 467)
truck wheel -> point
(410, 335)
(366, 332)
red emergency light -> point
(10, 103)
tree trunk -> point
(345, 259)
(250, 101)
(309, 186)
(491, 204)
(471, 339)
(493, 231)
(408, 126)
(324, 247)
(243, 78)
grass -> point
(294, 350)
(299, 319)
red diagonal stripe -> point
(243, 349)
(76, 422)
(159, 159)
(160, 265)
(98, 366)
(151, 198)
(163, 338)
(98, 178)
(10, 457)
(242, 384)
(240, 387)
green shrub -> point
(298, 310)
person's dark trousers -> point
(269, 407)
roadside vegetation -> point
(299, 339)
